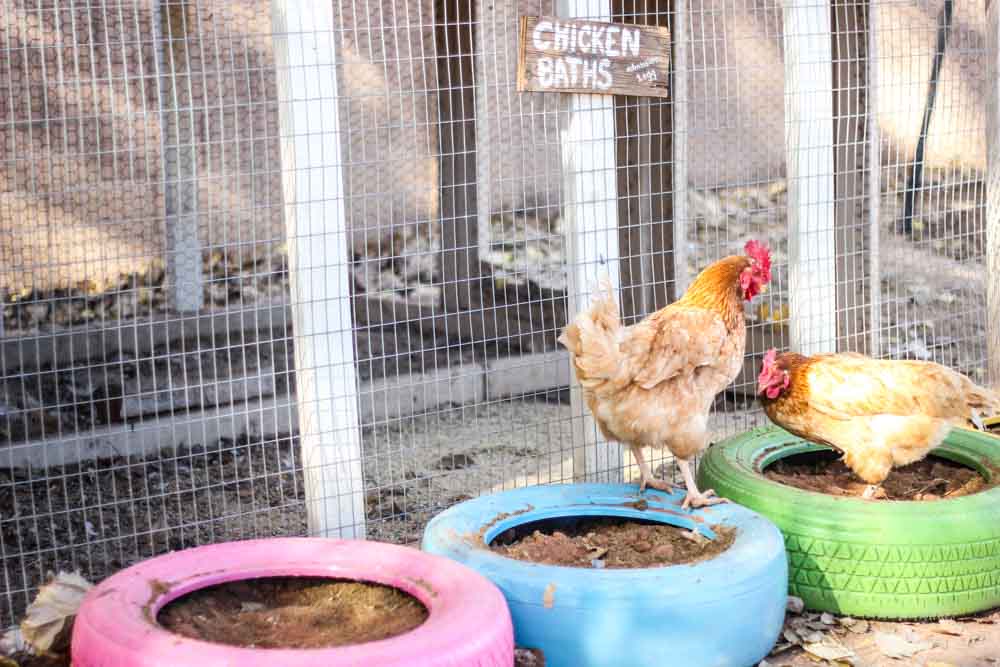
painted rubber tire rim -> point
(874, 559)
(468, 622)
(724, 611)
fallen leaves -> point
(857, 626)
(947, 626)
(895, 646)
(832, 651)
(48, 620)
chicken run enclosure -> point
(274, 267)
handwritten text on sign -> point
(569, 55)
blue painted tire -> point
(727, 610)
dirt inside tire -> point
(293, 613)
(609, 542)
(933, 478)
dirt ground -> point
(963, 642)
(293, 613)
(609, 542)
(933, 478)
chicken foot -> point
(873, 491)
(646, 475)
(694, 497)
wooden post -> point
(180, 161)
(874, 185)
(485, 104)
(809, 158)
(849, 166)
(679, 90)
(993, 190)
(313, 186)
(591, 210)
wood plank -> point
(849, 105)
(180, 163)
(592, 57)
(313, 184)
(591, 214)
(679, 145)
(809, 157)
(460, 265)
(993, 190)
(874, 184)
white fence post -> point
(809, 158)
(874, 185)
(679, 95)
(313, 186)
(180, 161)
(591, 210)
(993, 189)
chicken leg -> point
(646, 475)
(873, 491)
(694, 497)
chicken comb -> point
(758, 252)
(770, 358)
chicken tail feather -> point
(592, 338)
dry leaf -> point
(894, 646)
(828, 652)
(813, 637)
(947, 626)
(795, 605)
(791, 636)
(857, 626)
(48, 620)
(778, 648)
(826, 618)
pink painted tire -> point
(468, 621)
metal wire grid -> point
(455, 194)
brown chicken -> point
(877, 413)
(652, 384)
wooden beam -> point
(180, 160)
(460, 264)
(849, 167)
(591, 214)
(679, 148)
(313, 185)
(874, 183)
(993, 190)
(809, 158)
(645, 170)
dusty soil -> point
(288, 612)
(610, 542)
(24, 660)
(933, 478)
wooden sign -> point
(576, 56)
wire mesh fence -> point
(173, 173)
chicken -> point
(878, 414)
(652, 384)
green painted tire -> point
(885, 559)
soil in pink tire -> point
(455, 616)
(293, 612)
